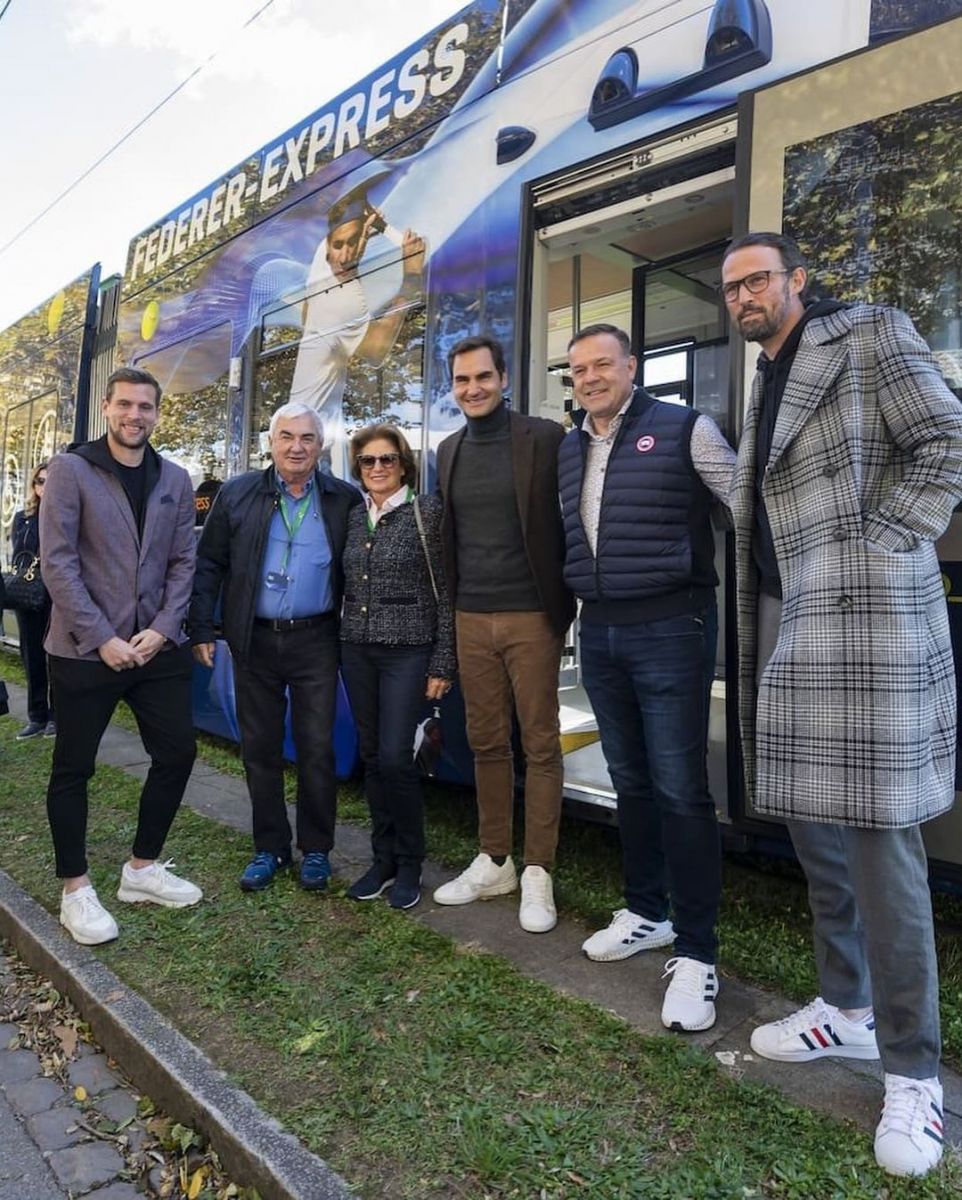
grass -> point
(422, 1069)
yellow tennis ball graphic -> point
(55, 312)
(150, 320)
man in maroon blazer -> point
(117, 537)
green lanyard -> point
(371, 527)
(292, 526)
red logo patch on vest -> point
(644, 444)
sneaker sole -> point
(352, 895)
(81, 940)
(404, 907)
(677, 1027)
(623, 952)
(869, 1053)
(318, 886)
(489, 893)
(30, 737)
(537, 928)
(131, 897)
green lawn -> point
(422, 1069)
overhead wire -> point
(126, 136)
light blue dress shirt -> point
(296, 571)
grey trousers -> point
(872, 919)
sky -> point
(75, 78)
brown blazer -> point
(534, 455)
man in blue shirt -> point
(271, 551)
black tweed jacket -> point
(388, 599)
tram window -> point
(351, 379)
(192, 429)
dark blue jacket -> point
(655, 546)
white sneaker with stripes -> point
(818, 1030)
(689, 1003)
(908, 1140)
(626, 935)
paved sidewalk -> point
(632, 989)
(46, 1149)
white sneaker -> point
(537, 913)
(816, 1031)
(690, 999)
(626, 935)
(482, 880)
(155, 884)
(85, 918)
(908, 1140)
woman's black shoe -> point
(407, 889)
(375, 880)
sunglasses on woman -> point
(368, 461)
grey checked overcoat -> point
(855, 715)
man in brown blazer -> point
(117, 555)
(504, 552)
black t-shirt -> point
(134, 480)
(774, 373)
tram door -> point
(648, 263)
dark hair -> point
(31, 500)
(480, 341)
(788, 250)
(595, 330)
(133, 375)
(391, 433)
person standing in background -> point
(33, 623)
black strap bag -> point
(23, 583)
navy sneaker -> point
(315, 871)
(260, 871)
(407, 890)
(375, 880)
(32, 729)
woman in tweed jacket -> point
(397, 635)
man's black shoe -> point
(407, 889)
(373, 883)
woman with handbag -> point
(32, 620)
(397, 650)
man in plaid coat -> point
(848, 470)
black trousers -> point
(33, 629)
(85, 696)
(302, 662)
(386, 688)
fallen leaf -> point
(80, 1094)
(412, 995)
(196, 1183)
(68, 1039)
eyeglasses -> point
(368, 461)
(755, 283)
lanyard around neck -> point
(293, 526)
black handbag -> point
(23, 583)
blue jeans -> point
(386, 685)
(646, 683)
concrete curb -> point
(254, 1148)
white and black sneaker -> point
(689, 1003)
(626, 935)
(818, 1030)
(908, 1140)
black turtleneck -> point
(494, 574)
(775, 372)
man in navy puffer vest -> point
(636, 479)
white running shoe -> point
(816, 1031)
(481, 881)
(85, 918)
(690, 999)
(537, 913)
(156, 885)
(908, 1140)
(626, 935)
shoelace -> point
(687, 976)
(536, 887)
(89, 905)
(263, 858)
(816, 1013)
(904, 1109)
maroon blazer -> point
(104, 576)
